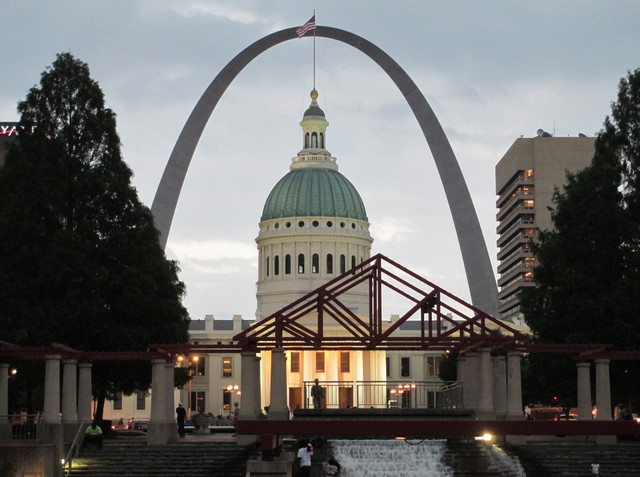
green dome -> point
(314, 192)
(314, 111)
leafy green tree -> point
(80, 262)
(588, 272)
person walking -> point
(317, 393)
(304, 454)
(181, 414)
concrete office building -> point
(526, 178)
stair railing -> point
(74, 450)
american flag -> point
(310, 25)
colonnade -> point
(491, 385)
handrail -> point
(74, 450)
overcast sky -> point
(492, 71)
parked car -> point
(188, 426)
(138, 424)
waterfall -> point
(391, 458)
(509, 466)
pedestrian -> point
(304, 454)
(181, 414)
(236, 414)
(317, 393)
(595, 468)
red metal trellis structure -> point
(446, 321)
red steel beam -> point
(436, 428)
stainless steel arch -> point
(480, 278)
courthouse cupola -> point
(313, 226)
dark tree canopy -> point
(588, 271)
(80, 262)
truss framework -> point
(446, 322)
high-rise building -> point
(8, 133)
(526, 178)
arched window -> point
(329, 263)
(315, 263)
(287, 264)
(306, 141)
(353, 261)
(322, 140)
(314, 140)
(343, 264)
(267, 266)
(301, 263)
(276, 265)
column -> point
(462, 365)
(156, 434)
(51, 423)
(84, 392)
(170, 413)
(51, 412)
(603, 398)
(485, 409)
(331, 391)
(250, 386)
(70, 398)
(514, 395)
(514, 386)
(278, 408)
(5, 425)
(500, 386)
(603, 390)
(584, 390)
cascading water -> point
(391, 458)
(508, 465)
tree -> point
(80, 262)
(588, 272)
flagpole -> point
(314, 52)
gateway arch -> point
(480, 278)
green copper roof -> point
(314, 111)
(314, 192)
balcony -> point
(434, 394)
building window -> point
(320, 362)
(433, 365)
(117, 402)
(344, 362)
(315, 263)
(405, 367)
(267, 266)
(353, 261)
(226, 399)
(197, 367)
(287, 264)
(197, 401)
(314, 140)
(329, 263)
(227, 367)
(301, 263)
(140, 401)
(276, 265)
(388, 365)
(306, 141)
(295, 362)
(322, 140)
(343, 264)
